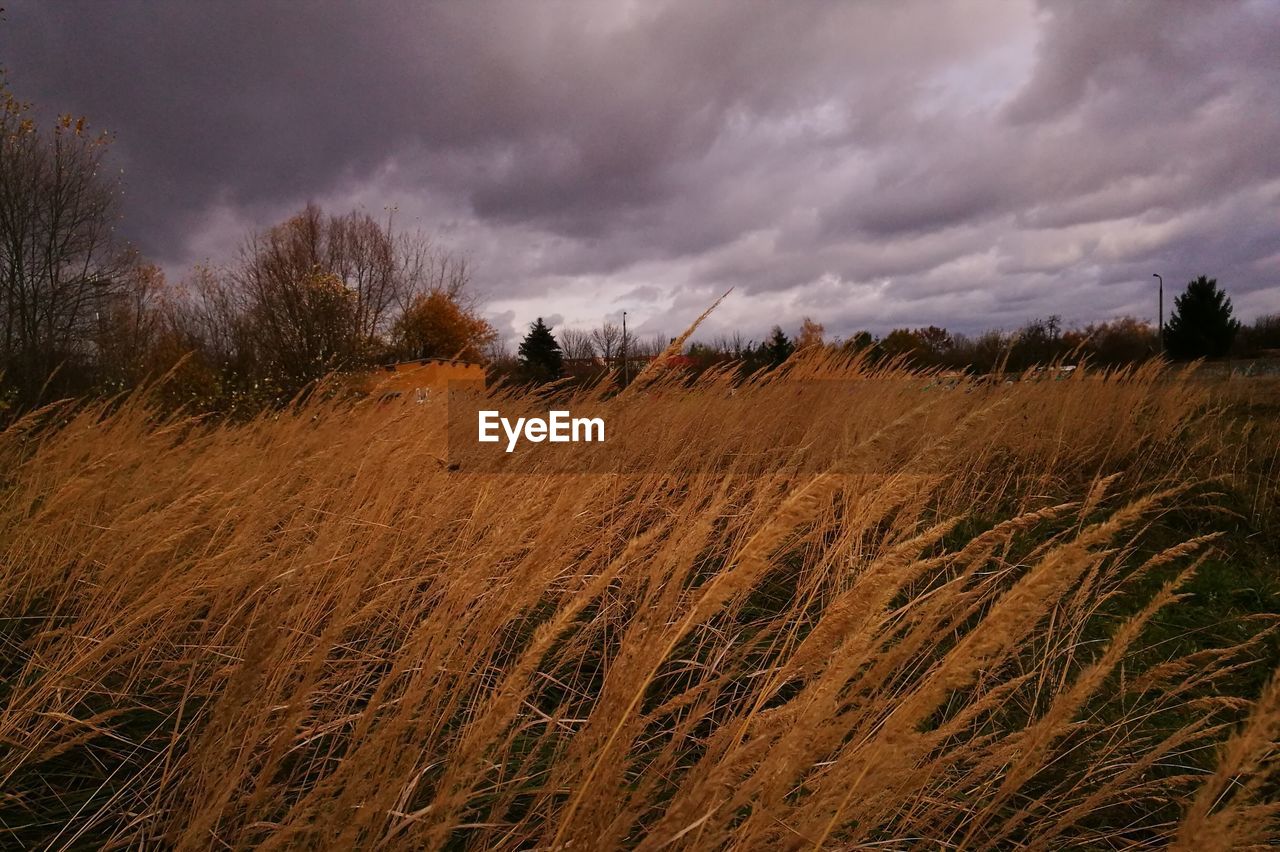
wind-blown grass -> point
(307, 631)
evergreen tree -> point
(540, 355)
(859, 341)
(1201, 325)
(863, 341)
(777, 348)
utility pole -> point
(624, 349)
(1160, 328)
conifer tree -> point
(540, 355)
(1202, 325)
(777, 348)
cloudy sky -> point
(968, 163)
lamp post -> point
(624, 349)
(1160, 328)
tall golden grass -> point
(307, 631)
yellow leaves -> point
(76, 125)
(16, 121)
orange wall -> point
(432, 375)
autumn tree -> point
(935, 343)
(927, 346)
(901, 343)
(811, 334)
(1115, 342)
(436, 326)
(281, 268)
(1037, 343)
(180, 352)
(860, 341)
(986, 353)
(130, 320)
(60, 261)
(301, 329)
(213, 311)
(323, 293)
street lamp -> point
(1160, 328)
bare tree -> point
(607, 339)
(214, 311)
(576, 345)
(497, 351)
(129, 322)
(648, 346)
(303, 316)
(326, 292)
(364, 257)
(60, 262)
(729, 345)
(425, 268)
(353, 250)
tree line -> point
(82, 313)
(1202, 326)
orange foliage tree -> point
(811, 334)
(434, 325)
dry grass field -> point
(985, 615)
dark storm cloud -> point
(963, 162)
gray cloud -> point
(960, 162)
